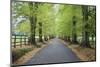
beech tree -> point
(73, 23)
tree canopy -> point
(53, 19)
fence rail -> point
(19, 40)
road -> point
(55, 52)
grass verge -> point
(85, 54)
(19, 53)
(24, 55)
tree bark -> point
(92, 36)
(32, 31)
(33, 21)
(85, 33)
(68, 38)
(45, 38)
(40, 32)
(74, 35)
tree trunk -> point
(65, 38)
(74, 36)
(40, 32)
(33, 21)
(92, 36)
(45, 38)
(68, 38)
(85, 33)
(32, 31)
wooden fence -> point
(19, 40)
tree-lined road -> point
(55, 52)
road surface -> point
(55, 52)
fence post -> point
(28, 40)
(14, 41)
(25, 40)
(21, 41)
(21, 38)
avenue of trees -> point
(73, 23)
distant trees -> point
(74, 35)
(82, 26)
(69, 22)
(40, 32)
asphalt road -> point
(55, 52)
